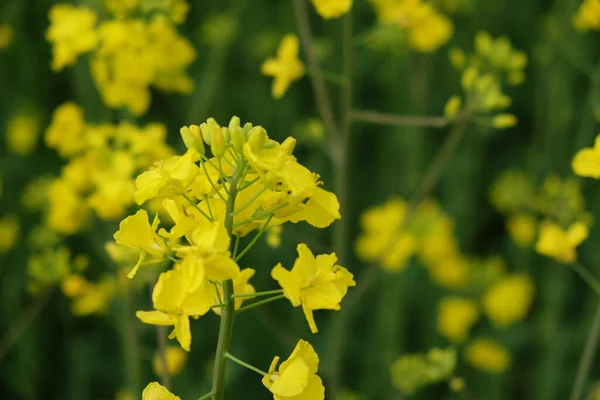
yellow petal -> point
(293, 381)
(587, 163)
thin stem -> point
(206, 396)
(398, 120)
(193, 203)
(161, 338)
(228, 311)
(212, 183)
(243, 364)
(331, 77)
(248, 184)
(260, 303)
(236, 246)
(245, 205)
(260, 216)
(218, 293)
(212, 217)
(176, 261)
(588, 277)
(258, 294)
(587, 358)
(323, 102)
(220, 305)
(255, 239)
(131, 345)
(19, 327)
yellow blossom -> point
(94, 298)
(155, 391)
(487, 355)
(9, 233)
(522, 229)
(71, 32)
(561, 244)
(504, 121)
(174, 358)
(456, 317)
(136, 232)
(296, 377)
(508, 300)
(66, 133)
(22, 134)
(273, 236)
(413, 371)
(452, 273)
(332, 8)
(286, 67)
(314, 283)
(588, 16)
(587, 161)
(452, 107)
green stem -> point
(228, 311)
(236, 245)
(398, 120)
(176, 261)
(243, 364)
(243, 207)
(255, 239)
(193, 203)
(260, 303)
(206, 396)
(258, 294)
(131, 349)
(161, 336)
(212, 184)
(587, 358)
(588, 277)
(261, 216)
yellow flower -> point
(512, 191)
(48, 268)
(95, 298)
(155, 391)
(273, 236)
(332, 8)
(508, 300)
(487, 355)
(587, 161)
(6, 36)
(504, 121)
(452, 273)
(413, 371)
(452, 107)
(286, 67)
(588, 16)
(170, 177)
(135, 232)
(321, 209)
(559, 244)
(456, 317)
(71, 32)
(522, 229)
(297, 376)
(9, 233)
(315, 283)
(175, 360)
(22, 134)
(66, 133)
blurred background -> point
(57, 343)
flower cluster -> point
(286, 67)
(588, 16)
(478, 287)
(416, 22)
(413, 371)
(22, 133)
(329, 9)
(554, 213)
(136, 48)
(494, 64)
(248, 183)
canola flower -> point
(586, 162)
(508, 300)
(249, 183)
(587, 16)
(286, 67)
(175, 359)
(156, 391)
(138, 47)
(456, 317)
(22, 133)
(9, 233)
(426, 28)
(561, 244)
(487, 356)
(329, 9)
(411, 372)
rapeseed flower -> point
(332, 8)
(508, 300)
(22, 133)
(175, 359)
(286, 67)
(522, 229)
(561, 244)
(586, 162)
(9, 233)
(6, 36)
(456, 317)
(155, 391)
(588, 16)
(487, 355)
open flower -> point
(561, 244)
(156, 391)
(314, 283)
(332, 8)
(297, 376)
(587, 161)
(135, 232)
(286, 67)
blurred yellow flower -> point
(504, 121)
(588, 16)
(72, 32)
(522, 229)
(512, 191)
(93, 298)
(414, 371)
(452, 273)
(296, 377)
(273, 236)
(66, 133)
(175, 360)
(456, 317)
(155, 391)
(286, 67)
(314, 283)
(508, 300)
(587, 160)
(6, 36)
(9, 233)
(487, 355)
(452, 107)
(22, 134)
(332, 8)
(561, 244)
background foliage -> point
(63, 357)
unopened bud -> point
(218, 142)
(192, 137)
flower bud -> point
(452, 107)
(503, 121)
(218, 142)
(192, 137)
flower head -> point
(487, 355)
(456, 317)
(561, 244)
(508, 300)
(155, 391)
(587, 161)
(286, 67)
(332, 8)
(296, 377)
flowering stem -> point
(587, 358)
(206, 396)
(398, 120)
(260, 303)
(228, 310)
(255, 239)
(212, 183)
(588, 277)
(243, 364)
(258, 294)
(236, 246)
